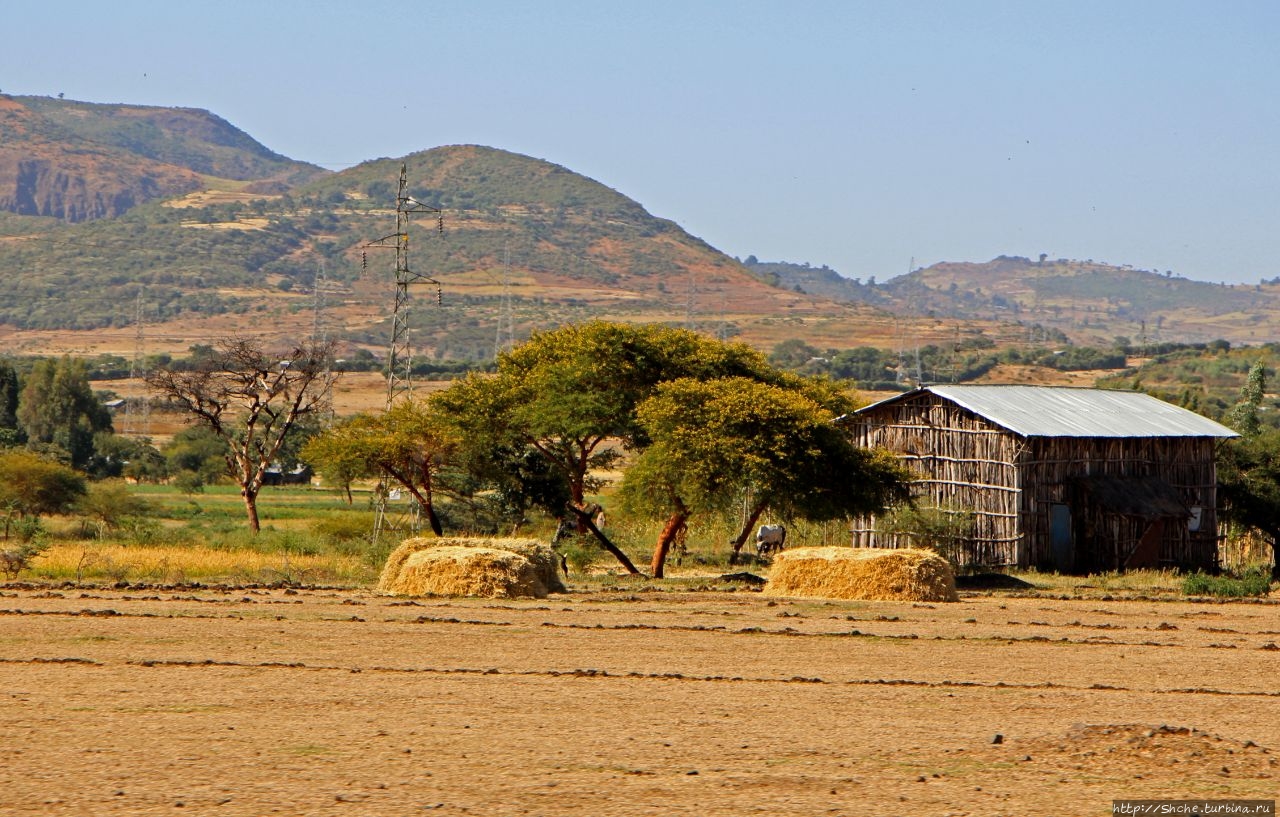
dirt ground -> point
(250, 701)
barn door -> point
(1061, 540)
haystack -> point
(875, 574)
(543, 560)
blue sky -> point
(859, 135)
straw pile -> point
(904, 574)
(405, 572)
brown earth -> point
(244, 701)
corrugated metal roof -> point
(1061, 411)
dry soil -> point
(250, 701)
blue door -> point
(1061, 541)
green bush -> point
(946, 530)
(1255, 581)
(579, 553)
(28, 529)
(343, 528)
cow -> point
(770, 539)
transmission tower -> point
(400, 351)
(904, 321)
(691, 304)
(504, 337)
(137, 412)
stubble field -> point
(249, 701)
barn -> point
(1069, 479)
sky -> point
(865, 136)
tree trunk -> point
(577, 497)
(433, 520)
(669, 533)
(251, 508)
(745, 533)
(584, 519)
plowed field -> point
(316, 702)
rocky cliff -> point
(77, 161)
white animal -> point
(770, 538)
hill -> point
(524, 244)
(78, 161)
(822, 281)
(1091, 302)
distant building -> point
(1068, 479)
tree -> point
(250, 398)
(792, 353)
(568, 393)
(1249, 467)
(133, 457)
(714, 440)
(196, 454)
(9, 390)
(569, 397)
(32, 486)
(335, 460)
(408, 443)
(1243, 416)
(10, 429)
(109, 503)
(1249, 486)
(58, 408)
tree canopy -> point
(31, 485)
(568, 391)
(409, 444)
(57, 408)
(1249, 467)
(713, 441)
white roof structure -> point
(1061, 411)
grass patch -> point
(1251, 583)
(1134, 582)
(176, 565)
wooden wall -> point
(963, 462)
(1009, 483)
(1185, 463)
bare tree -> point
(251, 397)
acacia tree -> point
(249, 397)
(569, 393)
(711, 440)
(31, 486)
(408, 443)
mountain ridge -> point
(1090, 301)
